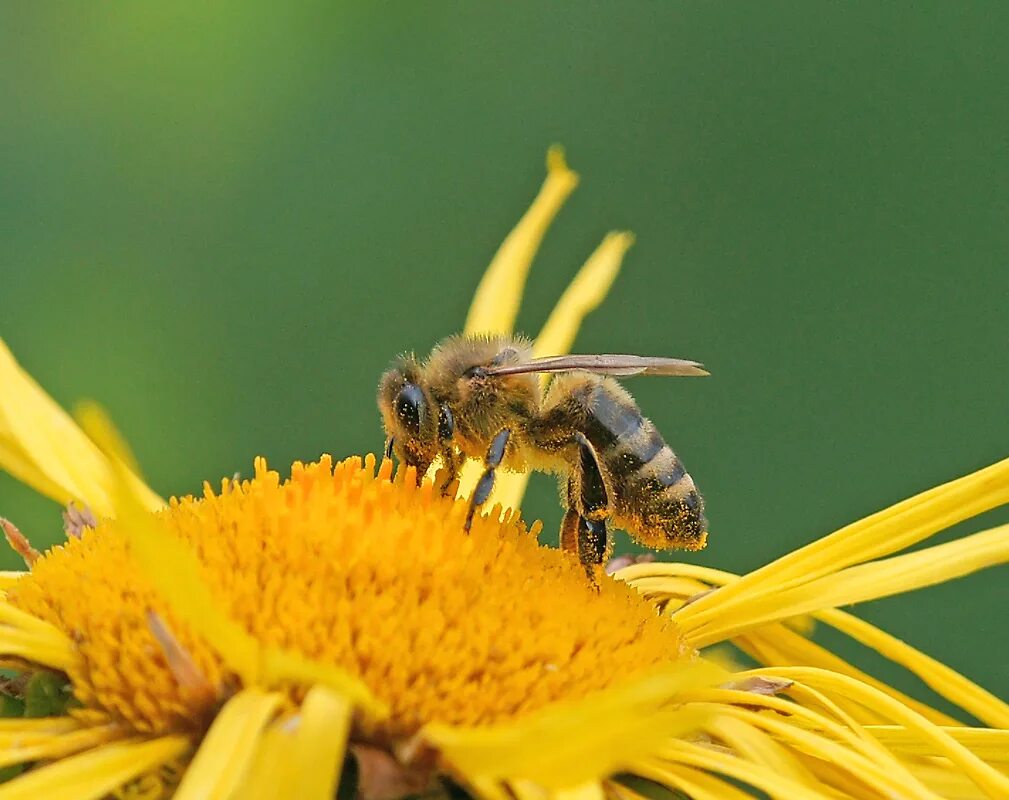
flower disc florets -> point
(355, 570)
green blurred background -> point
(222, 220)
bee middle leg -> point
(583, 530)
(495, 455)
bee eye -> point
(409, 403)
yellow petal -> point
(777, 645)
(15, 462)
(42, 446)
(589, 739)
(946, 782)
(987, 743)
(592, 790)
(226, 753)
(860, 583)
(21, 748)
(888, 777)
(648, 569)
(756, 775)
(27, 637)
(13, 617)
(497, 299)
(756, 746)
(34, 727)
(321, 740)
(880, 534)
(496, 303)
(96, 773)
(273, 772)
(280, 667)
(697, 785)
(840, 780)
(946, 682)
(943, 744)
(847, 742)
(588, 289)
(98, 425)
(301, 755)
(583, 295)
(780, 645)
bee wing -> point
(604, 364)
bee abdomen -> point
(654, 496)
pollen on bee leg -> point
(19, 542)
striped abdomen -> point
(652, 496)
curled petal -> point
(228, 749)
(896, 528)
(496, 302)
(588, 289)
(43, 447)
(94, 773)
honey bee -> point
(479, 397)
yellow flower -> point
(243, 643)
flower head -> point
(243, 642)
(301, 565)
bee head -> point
(409, 414)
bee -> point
(479, 397)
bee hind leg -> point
(589, 540)
(583, 530)
(495, 455)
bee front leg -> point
(495, 455)
(451, 459)
(452, 462)
(593, 508)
